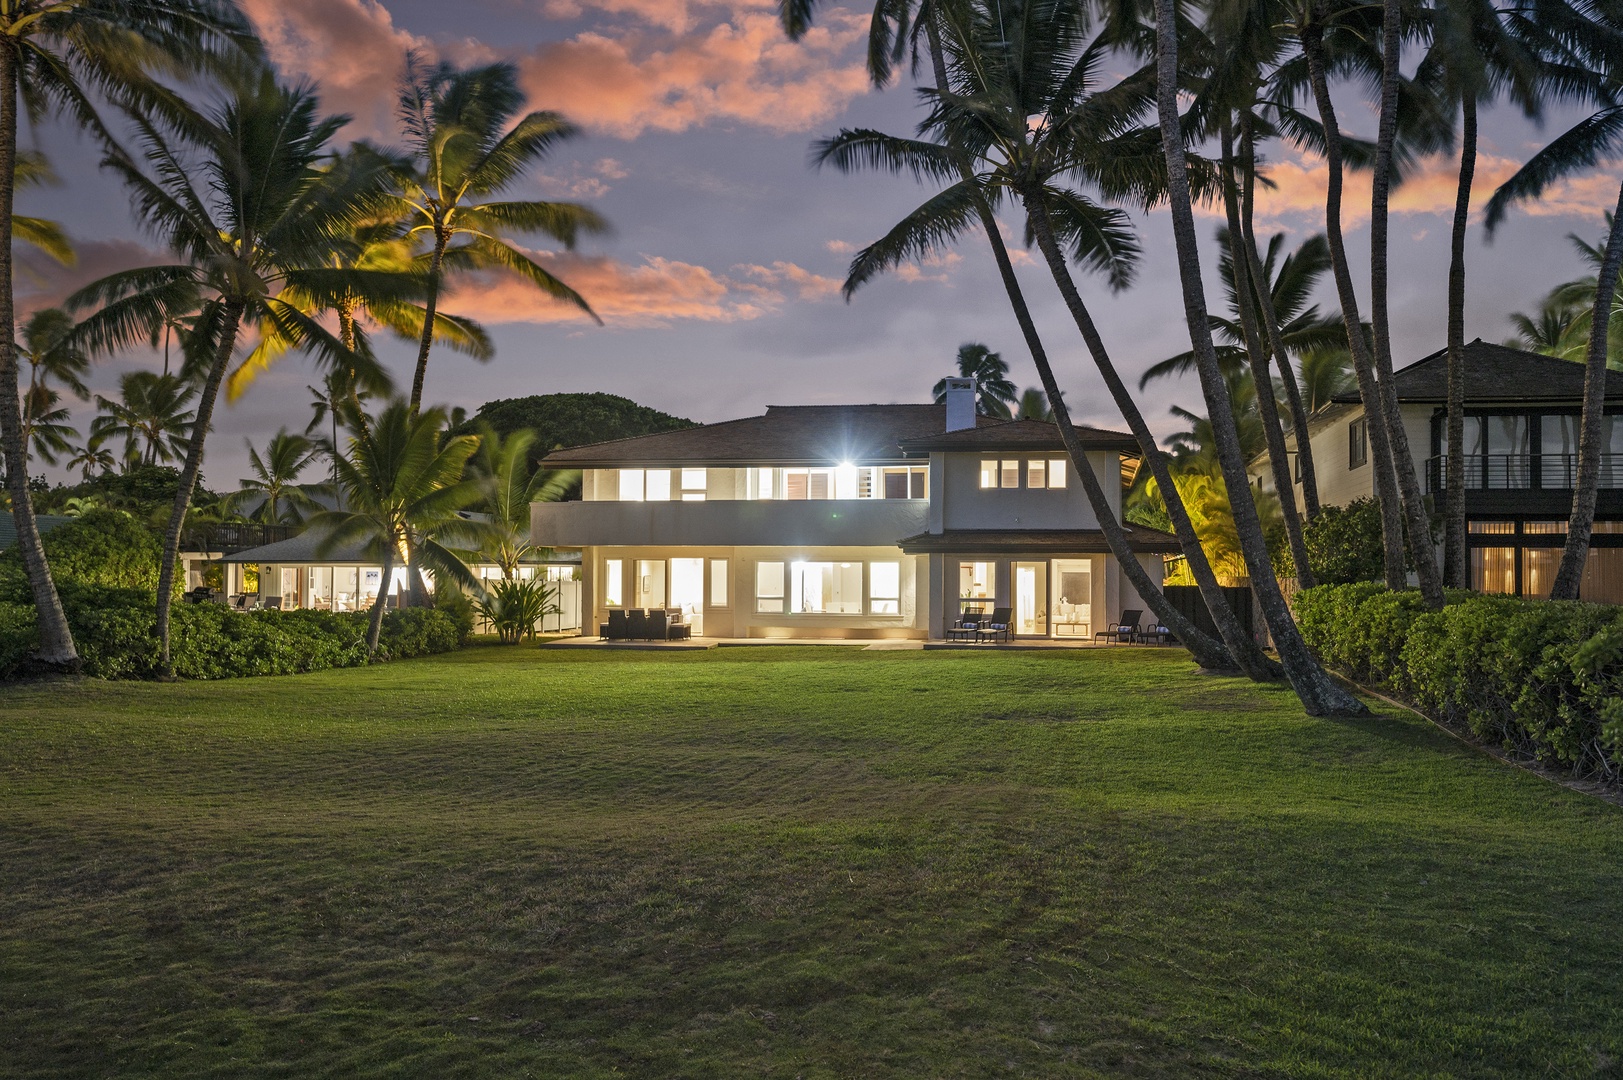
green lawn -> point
(786, 862)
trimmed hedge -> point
(1541, 678)
(115, 634)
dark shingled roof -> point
(43, 522)
(1055, 541)
(1020, 435)
(821, 435)
(1495, 373)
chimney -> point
(960, 399)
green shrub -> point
(514, 607)
(1540, 678)
(99, 548)
(1344, 543)
(115, 631)
(455, 603)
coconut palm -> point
(1591, 140)
(463, 153)
(994, 393)
(1100, 238)
(402, 480)
(53, 57)
(33, 170)
(274, 491)
(1033, 405)
(1319, 694)
(151, 414)
(92, 458)
(266, 217)
(44, 343)
(1561, 325)
(512, 483)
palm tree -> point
(267, 218)
(1033, 405)
(91, 458)
(1098, 235)
(45, 424)
(402, 478)
(1588, 142)
(151, 415)
(512, 483)
(462, 153)
(994, 393)
(51, 357)
(32, 170)
(1561, 325)
(53, 55)
(274, 490)
(1320, 695)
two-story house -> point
(849, 521)
(1521, 461)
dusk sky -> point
(720, 285)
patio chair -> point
(636, 624)
(270, 603)
(680, 629)
(659, 625)
(964, 629)
(1126, 630)
(1157, 634)
(616, 630)
(998, 626)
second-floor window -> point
(1358, 443)
(1041, 473)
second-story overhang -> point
(1038, 542)
(729, 523)
(1019, 437)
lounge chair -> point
(998, 626)
(1156, 635)
(680, 628)
(659, 625)
(1126, 630)
(964, 629)
(636, 624)
(617, 629)
(270, 603)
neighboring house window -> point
(885, 588)
(718, 583)
(1358, 443)
(1036, 473)
(1056, 472)
(906, 483)
(825, 588)
(1296, 466)
(808, 484)
(769, 586)
(1010, 473)
(693, 484)
(988, 474)
(614, 583)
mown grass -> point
(786, 862)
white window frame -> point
(885, 598)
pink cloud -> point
(43, 283)
(807, 285)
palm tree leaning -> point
(53, 57)
(994, 393)
(462, 153)
(265, 218)
(404, 476)
(512, 484)
(274, 490)
(1320, 695)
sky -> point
(719, 285)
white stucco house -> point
(849, 521)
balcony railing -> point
(233, 537)
(1521, 472)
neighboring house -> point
(850, 521)
(43, 522)
(1521, 460)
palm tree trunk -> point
(1261, 379)
(231, 317)
(1380, 446)
(1590, 446)
(374, 624)
(1456, 571)
(1208, 653)
(1320, 694)
(1241, 646)
(1270, 322)
(1422, 554)
(56, 649)
(430, 305)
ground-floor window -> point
(1073, 597)
(885, 588)
(1520, 558)
(614, 582)
(769, 587)
(718, 583)
(976, 588)
(825, 588)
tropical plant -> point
(265, 218)
(45, 343)
(274, 491)
(93, 457)
(151, 414)
(512, 483)
(55, 57)
(1561, 325)
(462, 153)
(1033, 405)
(403, 487)
(994, 393)
(514, 607)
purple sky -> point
(720, 284)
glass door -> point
(1073, 598)
(1031, 599)
(687, 591)
(650, 591)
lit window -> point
(769, 586)
(1037, 473)
(975, 587)
(1009, 471)
(1056, 472)
(988, 474)
(718, 583)
(845, 482)
(631, 485)
(694, 482)
(613, 583)
(825, 588)
(659, 485)
(885, 588)
(763, 483)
